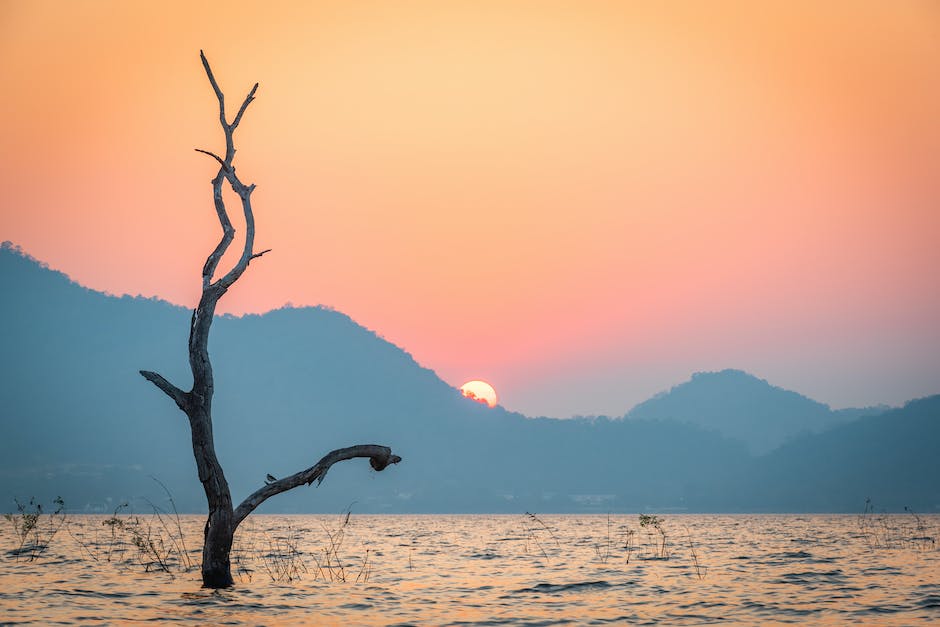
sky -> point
(581, 203)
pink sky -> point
(581, 203)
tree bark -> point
(223, 519)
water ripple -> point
(552, 588)
(494, 570)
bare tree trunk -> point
(223, 519)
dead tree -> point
(197, 403)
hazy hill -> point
(76, 419)
(741, 406)
(891, 458)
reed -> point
(533, 526)
(700, 570)
(920, 538)
(33, 528)
(881, 530)
(603, 553)
(651, 523)
(177, 537)
(243, 551)
(627, 538)
(279, 555)
(331, 565)
(332, 568)
(283, 559)
(116, 544)
(365, 571)
(159, 546)
(94, 548)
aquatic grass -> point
(627, 538)
(93, 548)
(275, 553)
(365, 571)
(159, 540)
(283, 561)
(332, 567)
(282, 554)
(279, 555)
(177, 537)
(700, 570)
(603, 555)
(116, 545)
(875, 527)
(158, 546)
(881, 530)
(651, 523)
(532, 526)
(766, 572)
(86, 547)
(243, 551)
(33, 529)
(154, 551)
(920, 538)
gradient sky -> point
(581, 202)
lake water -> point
(485, 570)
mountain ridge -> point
(744, 406)
(292, 384)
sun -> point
(480, 391)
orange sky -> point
(579, 202)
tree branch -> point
(241, 110)
(215, 88)
(228, 231)
(379, 458)
(244, 193)
(227, 172)
(179, 396)
(214, 156)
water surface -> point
(485, 570)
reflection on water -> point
(490, 570)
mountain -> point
(290, 386)
(891, 458)
(77, 419)
(743, 407)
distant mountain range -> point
(77, 420)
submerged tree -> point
(197, 403)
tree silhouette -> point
(223, 518)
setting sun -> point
(480, 391)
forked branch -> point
(227, 172)
(379, 458)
